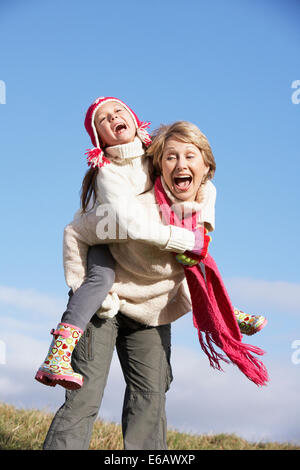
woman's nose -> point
(181, 163)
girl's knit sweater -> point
(149, 281)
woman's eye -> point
(190, 156)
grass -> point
(26, 430)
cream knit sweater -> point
(150, 283)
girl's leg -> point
(72, 425)
(92, 292)
(56, 368)
(144, 353)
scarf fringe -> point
(206, 343)
(212, 331)
(239, 354)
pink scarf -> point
(213, 314)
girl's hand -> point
(202, 240)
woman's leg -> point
(92, 292)
(72, 425)
(144, 353)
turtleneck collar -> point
(125, 151)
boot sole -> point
(70, 383)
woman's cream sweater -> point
(149, 281)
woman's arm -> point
(74, 258)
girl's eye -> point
(170, 157)
(190, 156)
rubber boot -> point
(56, 368)
(249, 324)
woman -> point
(151, 288)
(150, 285)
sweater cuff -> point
(180, 240)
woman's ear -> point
(207, 170)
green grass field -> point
(26, 430)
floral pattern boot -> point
(249, 324)
(56, 368)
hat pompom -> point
(96, 158)
(143, 134)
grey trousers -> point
(144, 354)
(89, 297)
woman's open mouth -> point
(182, 183)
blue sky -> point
(226, 66)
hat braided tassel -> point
(143, 134)
(96, 158)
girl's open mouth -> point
(182, 183)
(121, 127)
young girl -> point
(120, 171)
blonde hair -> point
(183, 131)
